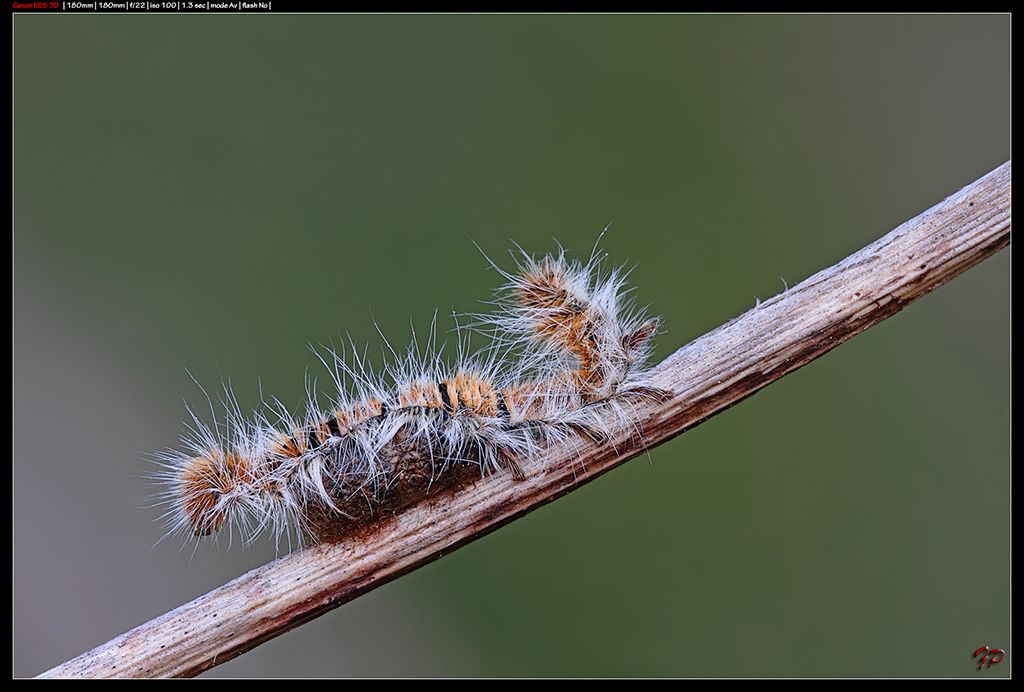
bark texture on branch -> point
(705, 377)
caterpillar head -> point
(637, 343)
(611, 355)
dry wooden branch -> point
(706, 376)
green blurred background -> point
(215, 192)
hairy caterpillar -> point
(566, 352)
